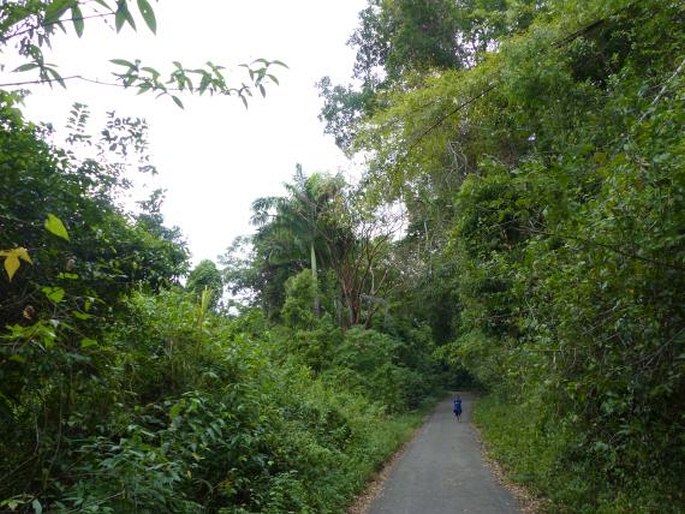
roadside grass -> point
(384, 441)
(541, 453)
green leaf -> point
(56, 76)
(37, 507)
(122, 16)
(54, 294)
(144, 87)
(153, 72)
(204, 82)
(26, 67)
(177, 101)
(55, 226)
(148, 15)
(55, 10)
(87, 342)
(122, 62)
(77, 19)
(119, 19)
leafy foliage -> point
(206, 277)
(544, 187)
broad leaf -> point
(54, 294)
(12, 260)
(11, 266)
(55, 226)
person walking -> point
(457, 408)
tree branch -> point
(56, 22)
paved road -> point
(442, 472)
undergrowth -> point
(541, 452)
(179, 412)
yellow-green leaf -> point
(87, 342)
(54, 225)
(11, 265)
(54, 294)
(23, 254)
(12, 260)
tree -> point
(206, 277)
(364, 264)
(401, 42)
(300, 223)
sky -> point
(215, 157)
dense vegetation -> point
(122, 390)
(521, 223)
(541, 161)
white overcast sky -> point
(215, 157)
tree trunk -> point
(315, 281)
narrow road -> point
(442, 472)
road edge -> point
(374, 485)
(528, 501)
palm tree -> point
(301, 222)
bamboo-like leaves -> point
(148, 15)
(123, 16)
(55, 10)
(208, 79)
(77, 19)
